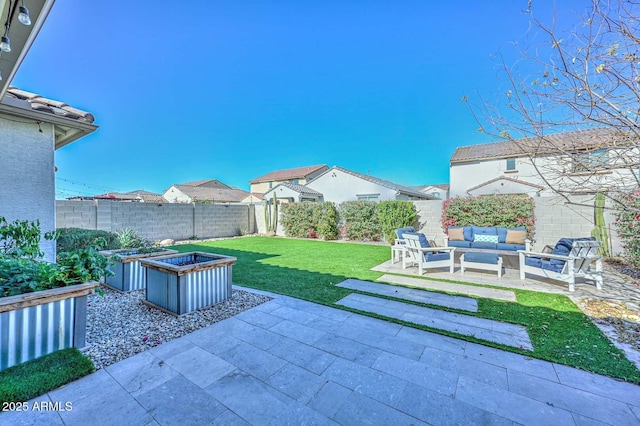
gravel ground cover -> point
(119, 325)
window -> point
(270, 185)
(589, 160)
(368, 197)
(296, 181)
(511, 164)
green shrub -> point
(508, 211)
(128, 238)
(393, 215)
(360, 221)
(76, 238)
(21, 238)
(310, 220)
(628, 227)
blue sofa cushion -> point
(513, 247)
(537, 262)
(430, 257)
(562, 248)
(502, 232)
(479, 257)
(461, 244)
(483, 245)
(484, 230)
(424, 243)
(400, 231)
(466, 230)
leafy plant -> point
(393, 215)
(77, 238)
(128, 238)
(508, 211)
(21, 238)
(310, 220)
(82, 265)
(628, 227)
(359, 221)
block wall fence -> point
(158, 221)
(554, 219)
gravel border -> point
(119, 325)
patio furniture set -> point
(484, 248)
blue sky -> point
(235, 89)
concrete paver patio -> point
(290, 361)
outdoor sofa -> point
(487, 238)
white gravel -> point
(119, 325)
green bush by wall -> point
(393, 215)
(310, 220)
(359, 221)
(628, 226)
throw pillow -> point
(486, 238)
(456, 234)
(516, 237)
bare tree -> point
(571, 105)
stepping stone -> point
(469, 290)
(481, 328)
(423, 296)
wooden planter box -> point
(128, 274)
(182, 283)
(36, 324)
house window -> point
(296, 181)
(589, 160)
(270, 185)
(368, 197)
(511, 164)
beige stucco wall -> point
(27, 180)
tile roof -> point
(204, 182)
(297, 173)
(549, 144)
(387, 184)
(141, 195)
(35, 102)
(199, 193)
(299, 188)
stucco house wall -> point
(338, 186)
(174, 195)
(27, 175)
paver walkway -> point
(430, 297)
(469, 290)
(481, 328)
(294, 362)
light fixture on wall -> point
(23, 16)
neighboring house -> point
(440, 191)
(292, 193)
(31, 129)
(204, 191)
(574, 162)
(254, 197)
(338, 184)
(139, 195)
(298, 176)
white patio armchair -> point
(420, 252)
(570, 259)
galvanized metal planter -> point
(36, 324)
(185, 282)
(128, 274)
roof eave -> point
(67, 130)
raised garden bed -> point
(36, 324)
(185, 282)
(128, 274)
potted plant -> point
(43, 306)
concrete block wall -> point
(157, 221)
(429, 214)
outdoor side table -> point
(398, 253)
(483, 261)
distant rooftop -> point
(289, 174)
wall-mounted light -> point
(23, 16)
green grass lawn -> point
(309, 270)
(25, 381)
